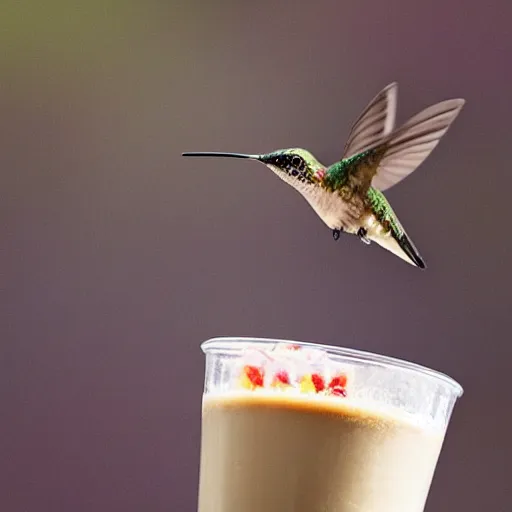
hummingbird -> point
(348, 195)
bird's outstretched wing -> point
(375, 122)
(399, 154)
(407, 148)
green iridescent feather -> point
(356, 173)
(339, 173)
(384, 213)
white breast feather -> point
(328, 205)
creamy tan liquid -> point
(274, 453)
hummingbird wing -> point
(398, 155)
(406, 148)
(375, 122)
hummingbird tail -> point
(410, 250)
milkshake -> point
(293, 427)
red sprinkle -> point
(337, 385)
(337, 391)
(282, 377)
(338, 381)
(318, 382)
(254, 374)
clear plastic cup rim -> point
(233, 344)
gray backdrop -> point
(119, 257)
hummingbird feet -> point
(361, 233)
(336, 233)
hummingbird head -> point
(296, 166)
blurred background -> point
(118, 256)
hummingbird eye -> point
(296, 161)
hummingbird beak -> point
(222, 155)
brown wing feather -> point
(375, 122)
(413, 142)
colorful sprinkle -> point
(252, 377)
(318, 382)
(281, 379)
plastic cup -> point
(300, 427)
